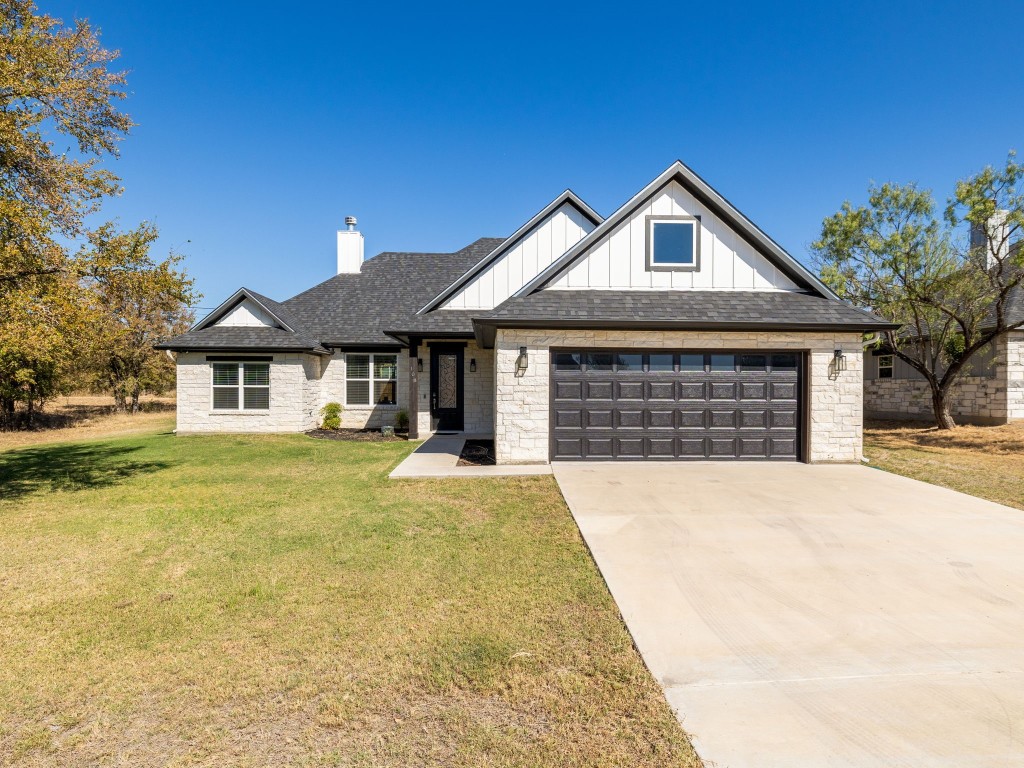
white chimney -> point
(350, 248)
(993, 236)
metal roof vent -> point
(350, 222)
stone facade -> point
(523, 401)
(332, 390)
(994, 399)
(294, 397)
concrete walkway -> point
(438, 456)
(805, 616)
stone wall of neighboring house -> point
(523, 401)
(995, 398)
(294, 397)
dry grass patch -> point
(987, 462)
(89, 417)
(274, 600)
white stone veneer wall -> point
(521, 419)
(294, 397)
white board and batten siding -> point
(534, 252)
(247, 314)
(727, 262)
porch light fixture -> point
(419, 364)
(839, 360)
(472, 365)
(522, 361)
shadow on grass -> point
(69, 468)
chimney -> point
(993, 237)
(350, 248)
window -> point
(599, 361)
(371, 379)
(673, 242)
(691, 362)
(885, 366)
(753, 362)
(784, 362)
(629, 362)
(567, 361)
(241, 386)
(660, 362)
(723, 363)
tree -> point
(137, 302)
(951, 295)
(54, 80)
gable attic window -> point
(673, 243)
(241, 386)
(371, 374)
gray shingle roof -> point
(439, 321)
(777, 309)
(234, 338)
(351, 310)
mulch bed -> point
(477, 453)
(357, 435)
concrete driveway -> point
(806, 616)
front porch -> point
(438, 456)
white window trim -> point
(891, 366)
(652, 265)
(371, 405)
(241, 409)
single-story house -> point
(673, 329)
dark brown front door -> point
(446, 397)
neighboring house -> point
(990, 392)
(673, 329)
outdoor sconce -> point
(472, 365)
(419, 364)
(839, 360)
(522, 361)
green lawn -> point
(265, 600)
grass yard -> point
(987, 462)
(275, 600)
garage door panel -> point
(629, 390)
(661, 419)
(723, 390)
(648, 405)
(568, 390)
(597, 390)
(568, 418)
(631, 419)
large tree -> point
(137, 302)
(950, 291)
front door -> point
(446, 403)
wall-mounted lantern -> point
(522, 362)
(419, 364)
(472, 365)
(839, 360)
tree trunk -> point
(135, 400)
(940, 406)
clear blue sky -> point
(262, 125)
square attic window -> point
(673, 242)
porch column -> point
(414, 390)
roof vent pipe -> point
(350, 248)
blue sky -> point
(262, 125)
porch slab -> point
(438, 456)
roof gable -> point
(530, 249)
(248, 308)
(623, 234)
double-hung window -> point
(241, 386)
(673, 243)
(885, 366)
(371, 379)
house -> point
(992, 389)
(673, 329)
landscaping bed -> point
(358, 435)
(477, 453)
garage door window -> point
(661, 363)
(753, 362)
(691, 362)
(723, 362)
(567, 361)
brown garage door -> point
(669, 404)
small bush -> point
(332, 416)
(401, 420)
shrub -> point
(401, 420)
(332, 416)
